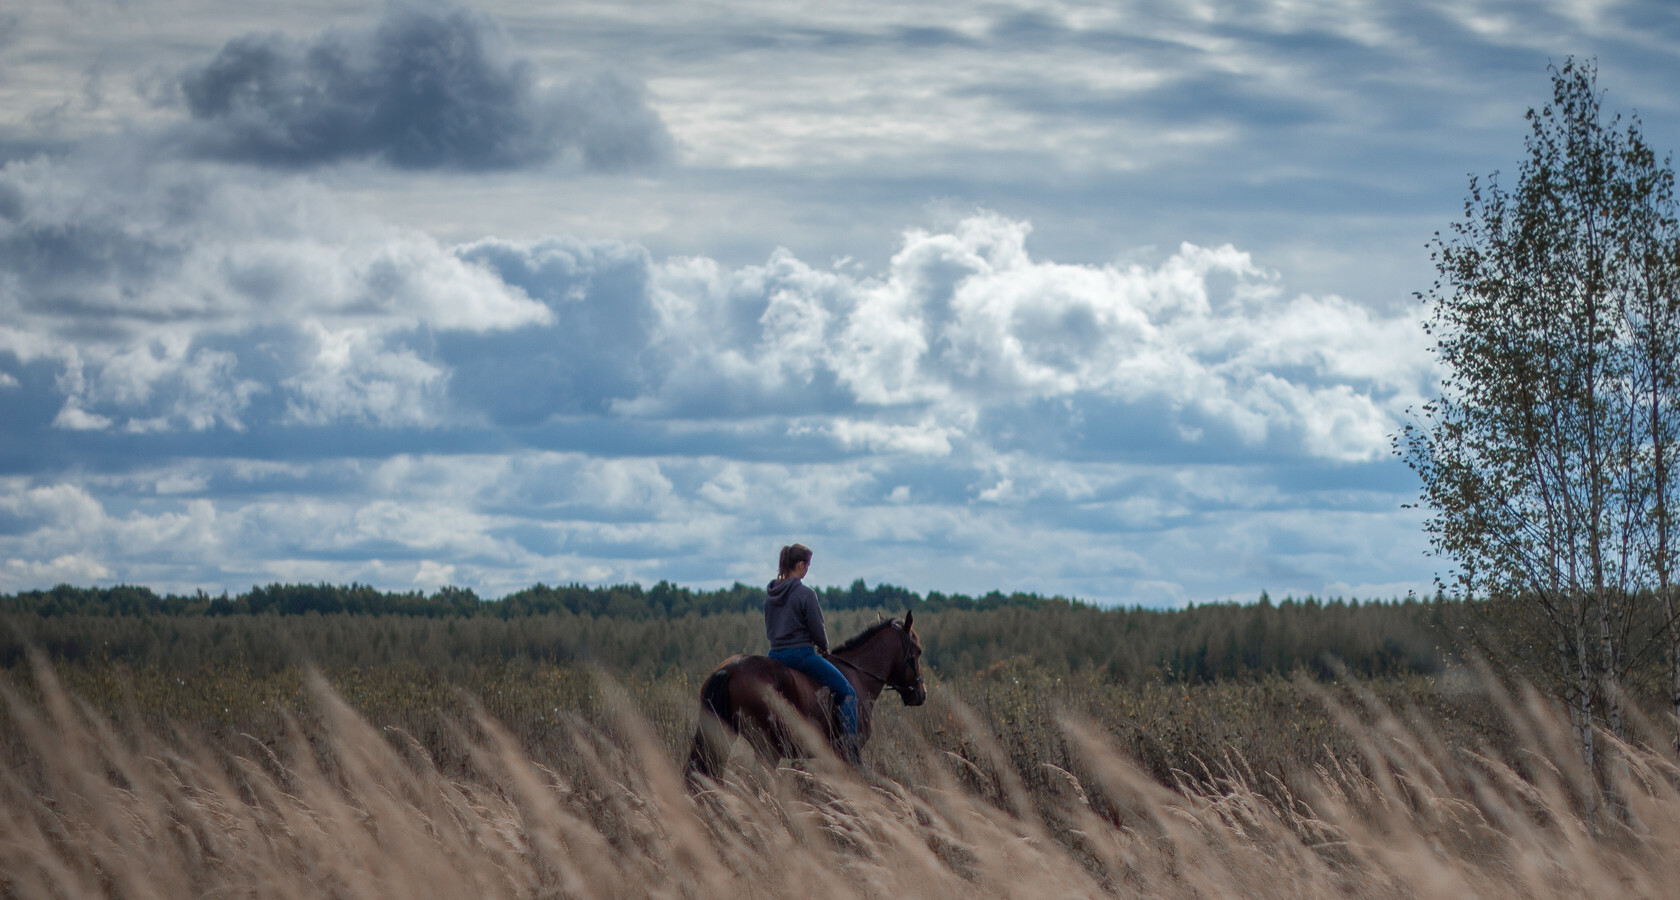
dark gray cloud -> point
(423, 90)
(589, 355)
(173, 298)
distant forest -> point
(668, 629)
(630, 601)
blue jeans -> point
(807, 660)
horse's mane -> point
(864, 635)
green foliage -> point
(1547, 459)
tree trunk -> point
(1580, 705)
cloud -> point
(965, 326)
(1106, 530)
(591, 349)
(365, 402)
(176, 297)
(354, 378)
(64, 531)
(173, 296)
(423, 90)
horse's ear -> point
(909, 617)
(879, 616)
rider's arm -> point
(814, 623)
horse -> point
(746, 695)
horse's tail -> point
(711, 737)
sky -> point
(1114, 301)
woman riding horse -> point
(751, 695)
(794, 624)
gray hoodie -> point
(792, 617)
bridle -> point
(902, 689)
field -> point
(171, 756)
(1022, 793)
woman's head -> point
(792, 556)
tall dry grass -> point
(342, 808)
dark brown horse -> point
(741, 695)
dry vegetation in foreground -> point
(342, 808)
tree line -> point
(667, 629)
(631, 601)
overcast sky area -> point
(1108, 300)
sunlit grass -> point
(560, 782)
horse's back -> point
(748, 682)
(749, 676)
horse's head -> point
(890, 652)
(907, 672)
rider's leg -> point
(845, 695)
(825, 672)
(806, 660)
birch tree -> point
(1548, 457)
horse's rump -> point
(714, 695)
(711, 738)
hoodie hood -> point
(776, 593)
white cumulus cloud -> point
(966, 321)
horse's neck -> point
(872, 660)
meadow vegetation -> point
(1009, 796)
(160, 746)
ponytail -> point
(792, 555)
